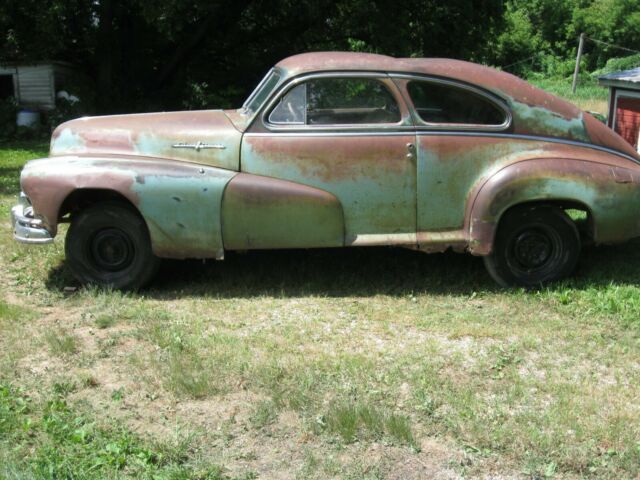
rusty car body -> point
(339, 149)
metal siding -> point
(36, 86)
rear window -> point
(439, 103)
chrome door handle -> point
(411, 150)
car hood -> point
(206, 137)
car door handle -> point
(411, 150)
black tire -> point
(534, 245)
(108, 245)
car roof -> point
(355, 61)
(501, 83)
(535, 112)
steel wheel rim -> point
(535, 249)
(111, 250)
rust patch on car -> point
(563, 181)
(345, 159)
(207, 137)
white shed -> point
(34, 85)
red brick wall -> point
(628, 119)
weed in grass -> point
(354, 420)
(343, 420)
(64, 387)
(61, 343)
(118, 394)
(187, 376)
(104, 321)
(8, 312)
(264, 414)
(399, 429)
(88, 380)
(504, 357)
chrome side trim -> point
(397, 131)
(384, 239)
(400, 131)
(199, 146)
(563, 141)
(26, 228)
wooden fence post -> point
(577, 69)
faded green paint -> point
(183, 213)
(371, 176)
(180, 202)
(154, 135)
(331, 189)
(449, 168)
(260, 212)
(67, 142)
(546, 122)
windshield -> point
(262, 91)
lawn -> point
(357, 363)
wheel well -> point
(577, 211)
(82, 198)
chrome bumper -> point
(27, 229)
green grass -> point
(355, 363)
(61, 343)
(588, 96)
(50, 439)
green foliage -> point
(53, 440)
(65, 110)
(618, 64)
(201, 54)
(353, 420)
(8, 112)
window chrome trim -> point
(287, 86)
(495, 100)
(563, 141)
(245, 106)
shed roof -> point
(626, 78)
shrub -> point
(8, 112)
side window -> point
(336, 101)
(448, 104)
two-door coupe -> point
(339, 149)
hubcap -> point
(111, 250)
(532, 248)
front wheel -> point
(108, 245)
(534, 245)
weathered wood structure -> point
(34, 85)
(624, 104)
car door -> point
(460, 140)
(351, 136)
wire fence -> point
(538, 56)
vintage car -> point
(333, 150)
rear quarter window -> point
(438, 103)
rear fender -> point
(609, 193)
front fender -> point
(180, 202)
(610, 193)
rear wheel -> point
(108, 245)
(534, 245)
